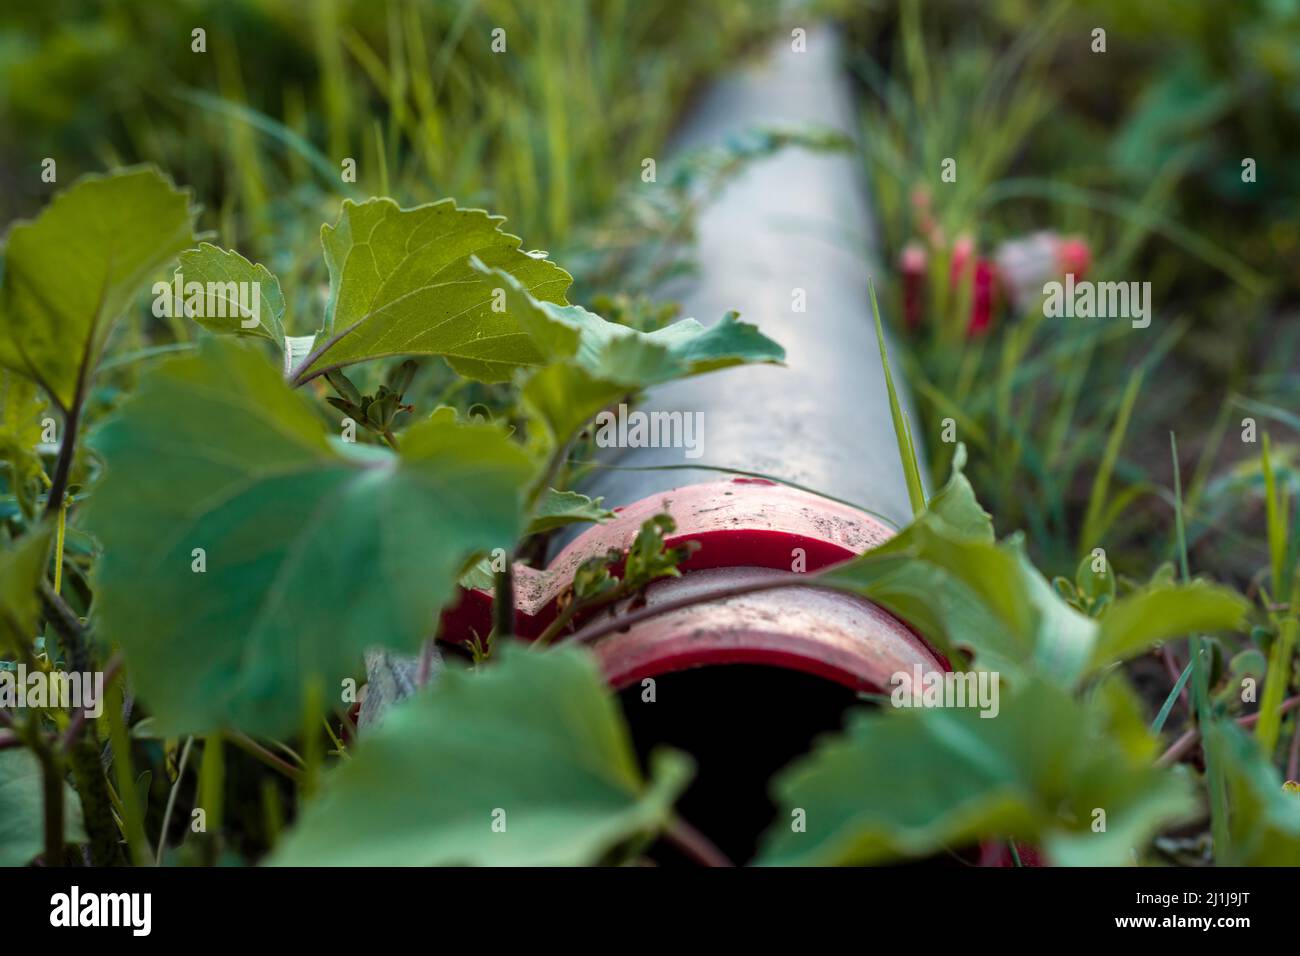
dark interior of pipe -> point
(742, 724)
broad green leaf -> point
(526, 762)
(559, 508)
(1134, 623)
(942, 598)
(593, 362)
(625, 356)
(941, 609)
(22, 805)
(1264, 817)
(945, 575)
(401, 283)
(20, 414)
(223, 306)
(314, 549)
(907, 785)
(73, 270)
(22, 566)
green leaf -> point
(956, 506)
(533, 743)
(314, 549)
(625, 356)
(401, 283)
(559, 508)
(1264, 821)
(22, 566)
(21, 408)
(910, 784)
(72, 271)
(564, 397)
(218, 308)
(1095, 585)
(593, 362)
(946, 576)
(22, 802)
(1134, 623)
(1279, 672)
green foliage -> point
(1265, 817)
(902, 430)
(556, 509)
(314, 549)
(915, 783)
(594, 362)
(20, 432)
(401, 283)
(525, 763)
(22, 567)
(376, 412)
(224, 313)
(21, 789)
(947, 576)
(1164, 612)
(70, 273)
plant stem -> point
(558, 624)
(171, 799)
(1279, 674)
(63, 467)
(559, 458)
(254, 749)
(79, 716)
(1180, 747)
(52, 774)
(137, 843)
(1214, 778)
(81, 747)
(779, 579)
(52, 788)
(428, 650)
(694, 844)
(575, 607)
(58, 546)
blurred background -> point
(1120, 162)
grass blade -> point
(1200, 688)
(1279, 672)
(1101, 481)
(1158, 724)
(906, 450)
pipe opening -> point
(741, 723)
